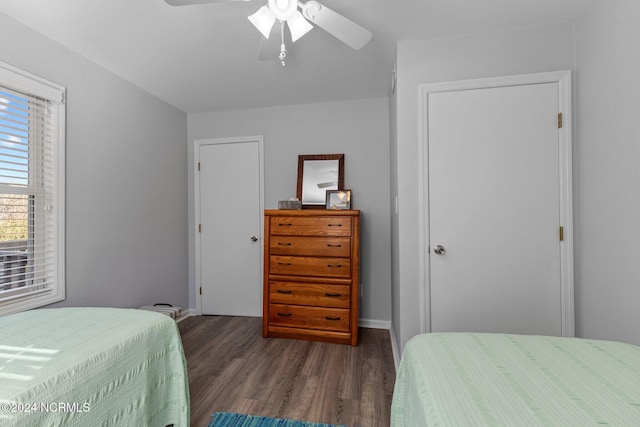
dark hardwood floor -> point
(233, 368)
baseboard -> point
(187, 313)
(374, 324)
(384, 324)
(394, 348)
(365, 323)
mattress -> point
(92, 367)
(463, 379)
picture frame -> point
(318, 173)
(338, 200)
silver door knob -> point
(254, 239)
(439, 250)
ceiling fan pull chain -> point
(283, 50)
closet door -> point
(230, 215)
(494, 210)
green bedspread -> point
(92, 367)
(463, 379)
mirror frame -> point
(302, 158)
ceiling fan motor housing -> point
(283, 13)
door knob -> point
(439, 250)
(254, 239)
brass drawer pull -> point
(334, 265)
(335, 225)
(284, 244)
(284, 263)
(285, 225)
(329, 318)
(285, 314)
(332, 295)
(333, 246)
(282, 291)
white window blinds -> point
(31, 191)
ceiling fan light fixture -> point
(298, 26)
(283, 9)
(263, 20)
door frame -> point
(197, 144)
(565, 181)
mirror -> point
(318, 173)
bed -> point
(92, 367)
(465, 379)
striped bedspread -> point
(92, 367)
(461, 379)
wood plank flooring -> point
(232, 368)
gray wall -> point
(128, 172)
(604, 55)
(360, 130)
(126, 179)
(523, 51)
(608, 171)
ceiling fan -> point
(298, 17)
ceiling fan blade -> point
(328, 184)
(335, 24)
(190, 2)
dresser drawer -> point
(331, 319)
(310, 266)
(310, 226)
(313, 294)
(319, 246)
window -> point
(32, 115)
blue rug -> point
(227, 419)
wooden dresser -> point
(311, 275)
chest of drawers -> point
(311, 275)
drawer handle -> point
(284, 314)
(284, 225)
(335, 225)
(334, 265)
(284, 244)
(334, 246)
(329, 318)
(332, 295)
(284, 263)
(282, 291)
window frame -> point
(16, 79)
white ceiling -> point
(204, 57)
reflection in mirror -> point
(317, 174)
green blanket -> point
(92, 367)
(463, 379)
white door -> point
(494, 210)
(230, 215)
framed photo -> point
(318, 173)
(338, 199)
